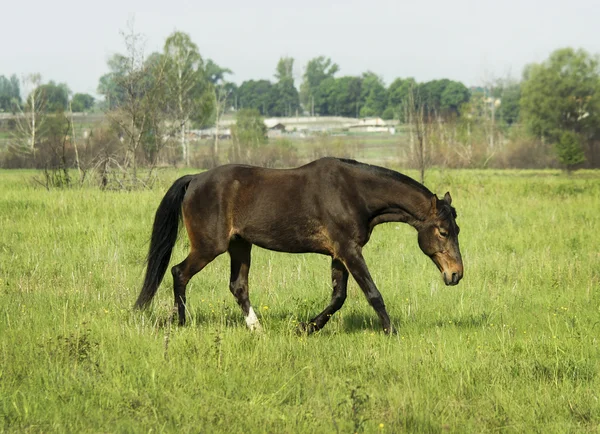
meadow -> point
(513, 348)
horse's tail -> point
(164, 235)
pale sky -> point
(467, 40)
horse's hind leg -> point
(239, 251)
(183, 272)
(339, 278)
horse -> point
(329, 206)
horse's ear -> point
(447, 198)
(434, 200)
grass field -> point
(513, 348)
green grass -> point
(513, 348)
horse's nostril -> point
(454, 277)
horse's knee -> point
(376, 301)
(176, 273)
(339, 299)
(239, 291)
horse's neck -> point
(392, 200)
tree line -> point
(153, 101)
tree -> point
(373, 95)
(510, 97)
(317, 70)
(443, 97)
(188, 91)
(56, 96)
(139, 115)
(344, 98)
(398, 95)
(431, 94)
(249, 132)
(569, 150)
(257, 94)
(454, 95)
(285, 98)
(82, 102)
(285, 69)
(419, 121)
(215, 73)
(560, 102)
(30, 118)
(322, 97)
(109, 84)
(10, 93)
(54, 146)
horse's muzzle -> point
(452, 278)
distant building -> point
(371, 125)
(274, 128)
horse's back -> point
(279, 209)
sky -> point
(470, 41)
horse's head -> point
(438, 239)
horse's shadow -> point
(358, 322)
(351, 322)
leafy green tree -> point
(110, 84)
(560, 102)
(454, 95)
(569, 150)
(56, 96)
(323, 97)
(257, 94)
(10, 93)
(443, 97)
(398, 93)
(431, 94)
(344, 98)
(317, 70)
(285, 69)
(373, 95)
(215, 73)
(82, 102)
(232, 92)
(250, 128)
(510, 97)
(286, 99)
(248, 133)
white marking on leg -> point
(252, 321)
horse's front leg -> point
(339, 278)
(357, 266)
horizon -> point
(467, 41)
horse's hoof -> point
(390, 331)
(306, 328)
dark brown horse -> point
(329, 206)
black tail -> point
(164, 235)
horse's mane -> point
(444, 211)
(391, 173)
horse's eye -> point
(443, 233)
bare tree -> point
(186, 83)
(138, 116)
(419, 130)
(221, 96)
(31, 117)
(74, 142)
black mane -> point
(444, 211)
(388, 172)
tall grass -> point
(514, 347)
